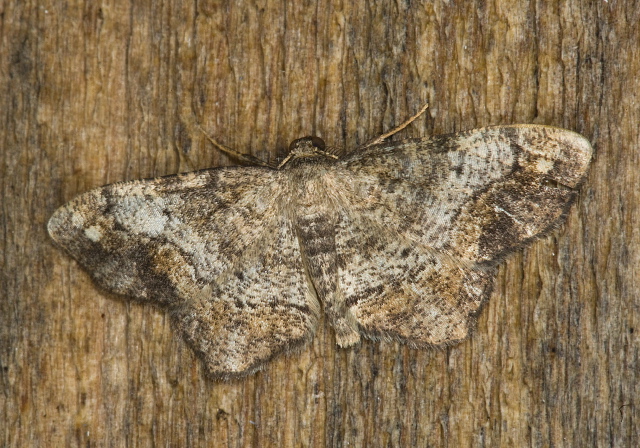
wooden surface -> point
(96, 92)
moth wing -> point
(424, 222)
(395, 288)
(214, 247)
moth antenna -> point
(336, 151)
(397, 128)
(245, 159)
(284, 161)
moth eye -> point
(318, 143)
(294, 143)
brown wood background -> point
(97, 92)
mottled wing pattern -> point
(208, 246)
(395, 287)
(424, 222)
(399, 240)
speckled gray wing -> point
(424, 222)
(216, 248)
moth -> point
(393, 241)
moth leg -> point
(245, 159)
(397, 128)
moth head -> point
(308, 148)
(311, 146)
